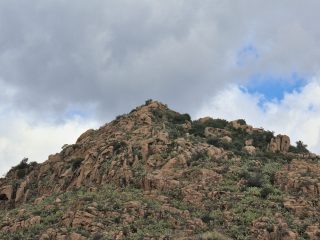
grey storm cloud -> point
(108, 56)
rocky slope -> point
(155, 174)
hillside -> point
(155, 174)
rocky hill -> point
(156, 174)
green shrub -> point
(220, 143)
(207, 218)
(242, 122)
(117, 146)
(197, 128)
(157, 113)
(237, 146)
(217, 216)
(23, 168)
(213, 141)
(176, 131)
(21, 173)
(217, 123)
(300, 148)
(148, 101)
(255, 180)
(262, 139)
(119, 117)
(181, 118)
(175, 117)
(175, 193)
(75, 163)
(266, 191)
(197, 157)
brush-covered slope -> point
(155, 174)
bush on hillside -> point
(242, 122)
(299, 148)
(23, 168)
(148, 101)
(199, 127)
(75, 163)
(181, 118)
(262, 139)
(217, 123)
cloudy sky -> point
(66, 66)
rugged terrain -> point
(156, 174)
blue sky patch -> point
(273, 88)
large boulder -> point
(250, 149)
(6, 193)
(242, 125)
(280, 143)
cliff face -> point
(155, 174)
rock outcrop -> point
(280, 143)
(241, 124)
(155, 174)
(6, 193)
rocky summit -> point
(156, 174)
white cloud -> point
(106, 57)
(111, 53)
(20, 138)
(297, 114)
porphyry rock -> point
(280, 143)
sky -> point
(67, 66)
